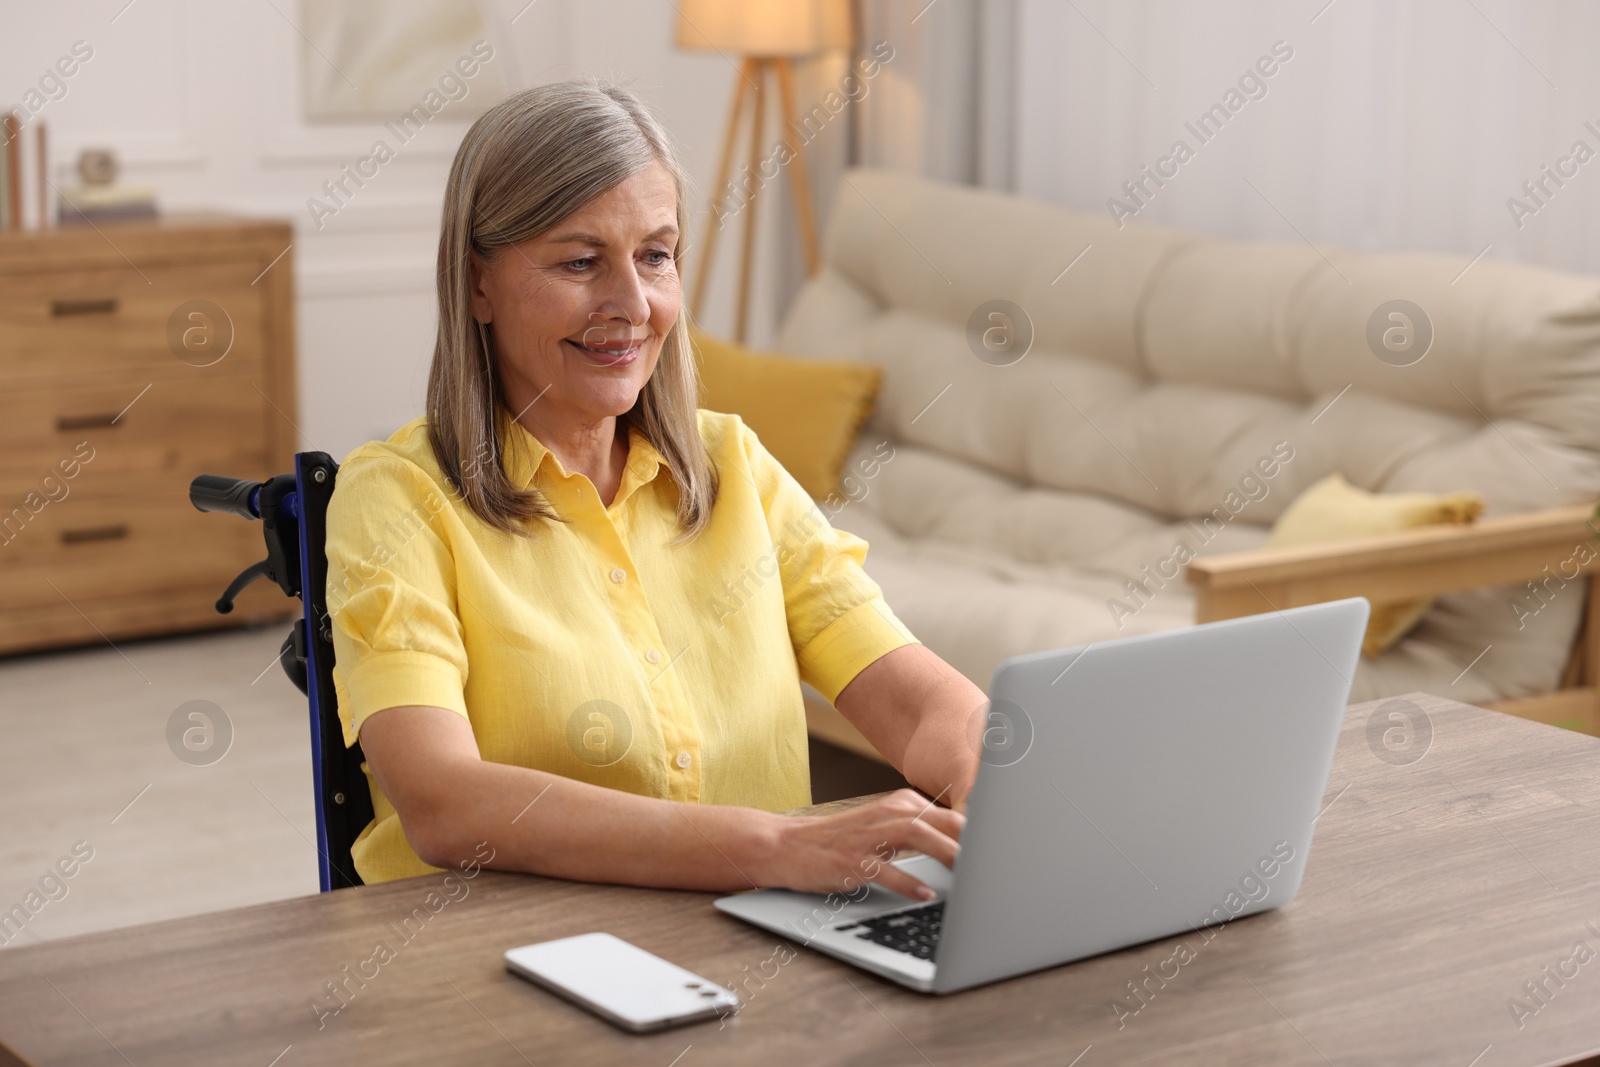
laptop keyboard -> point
(914, 931)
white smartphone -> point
(621, 983)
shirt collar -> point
(529, 462)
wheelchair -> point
(293, 510)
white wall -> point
(1396, 125)
(202, 99)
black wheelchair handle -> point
(217, 492)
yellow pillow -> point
(807, 412)
(1335, 510)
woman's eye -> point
(666, 257)
(580, 263)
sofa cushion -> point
(807, 412)
(1335, 510)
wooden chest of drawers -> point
(132, 358)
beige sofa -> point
(1172, 377)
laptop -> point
(1127, 790)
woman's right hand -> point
(839, 853)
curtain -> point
(945, 104)
(930, 89)
(1455, 126)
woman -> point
(530, 588)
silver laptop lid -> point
(1146, 786)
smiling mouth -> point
(609, 356)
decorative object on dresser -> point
(20, 166)
(100, 198)
(132, 355)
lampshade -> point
(764, 27)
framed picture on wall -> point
(376, 60)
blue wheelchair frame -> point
(293, 511)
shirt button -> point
(653, 656)
(618, 575)
(683, 760)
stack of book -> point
(106, 203)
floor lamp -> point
(766, 35)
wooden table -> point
(1436, 888)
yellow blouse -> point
(593, 649)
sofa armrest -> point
(1427, 561)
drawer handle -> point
(94, 533)
(86, 422)
(60, 308)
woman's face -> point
(579, 314)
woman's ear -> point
(482, 309)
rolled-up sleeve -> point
(397, 636)
(839, 622)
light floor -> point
(85, 758)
